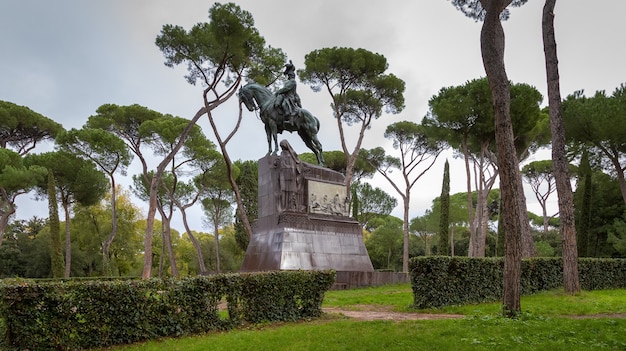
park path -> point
(374, 313)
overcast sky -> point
(65, 58)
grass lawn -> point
(546, 324)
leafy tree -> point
(359, 88)
(599, 124)
(443, 248)
(165, 206)
(126, 122)
(598, 205)
(385, 244)
(111, 155)
(219, 54)
(337, 161)
(371, 202)
(78, 182)
(425, 227)
(617, 235)
(187, 194)
(514, 202)
(92, 225)
(464, 118)
(16, 178)
(248, 183)
(217, 208)
(418, 153)
(21, 128)
(196, 153)
(56, 251)
(560, 163)
(540, 176)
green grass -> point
(400, 297)
(544, 325)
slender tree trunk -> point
(68, 242)
(470, 203)
(4, 221)
(216, 234)
(154, 187)
(492, 48)
(109, 240)
(195, 242)
(147, 243)
(405, 249)
(559, 161)
(56, 250)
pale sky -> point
(65, 58)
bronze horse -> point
(304, 122)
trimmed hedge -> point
(81, 315)
(442, 281)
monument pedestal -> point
(303, 220)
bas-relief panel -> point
(326, 198)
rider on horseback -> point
(287, 99)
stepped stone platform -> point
(303, 221)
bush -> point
(79, 315)
(441, 281)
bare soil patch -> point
(375, 312)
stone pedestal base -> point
(308, 242)
(303, 222)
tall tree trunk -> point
(195, 242)
(216, 234)
(56, 250)
(559, 161)
(405, 250)
(68, 242)
(109, 240)
(492, 48)
(4, 219)
(154, 187)
(470, 204)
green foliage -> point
(56, 251)
(21, 128)
(443, 247)
(248, 183)
(369, 203)
(80, 315)
(443, 281)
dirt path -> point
(374, 313)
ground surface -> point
(374, 312)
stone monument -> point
(303, 220)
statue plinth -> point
(303, 219)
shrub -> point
(87, 314)
(441, 281)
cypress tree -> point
(443, 248)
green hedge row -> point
(81, 315)
(442, 281)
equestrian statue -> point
(283, 111)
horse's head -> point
(246, 97)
